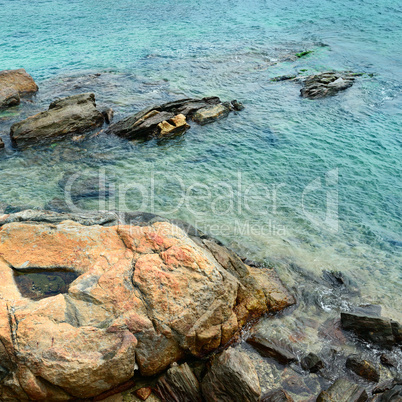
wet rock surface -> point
(271, 348)
(326, 84)
(312, 363)
(374, 329)
(363, 368)
(232, 378)
(145, 296)
(343, 390)
(71, 115)
(13, 85)
(162, 119)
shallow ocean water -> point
(288, 181)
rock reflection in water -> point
(40, 285)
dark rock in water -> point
(108, 114)
(238, 106)
(13, 85)
(1, 144)
(146, 123)
(312, 363)
(270, 348)
(343, 390)
(363, 368)
(179, 384)
(75, 114)
(79, 187)
(232, 378)
(377, 330)
(278, 395)
(326, 84)
(339, 280)
(283, 78)
(388, 360)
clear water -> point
(153, 51)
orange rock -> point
(144, 297)
(143, 393)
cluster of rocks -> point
(78, 114)
(321, 85)
(170, 118)
(326, 84)
(146, 295)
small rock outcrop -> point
(231, 378)
(343, 390)
(326, 84)
(144, 295)
(74, 114)
(171, 117)
(378, 330)
(179, 384)
(1, 144)
(13, 85)
(363, 368)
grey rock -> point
(272, 348)
(343, 390)
(179, 384)
(326, 84)
(72, 115)
(232, 378)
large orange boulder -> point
(141, 298)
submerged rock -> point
(231, 378)
(278, 395)
(179, 384)
(363, 368)
(326, 84)
(145, 295)
(374, 329)
(168, 117)
(271, 348)
(75, 114)
(312, 363)
(1, 144)
(13, 85)
(343, 390)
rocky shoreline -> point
(132, 306)
(187, 299)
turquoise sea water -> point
(344, 153)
